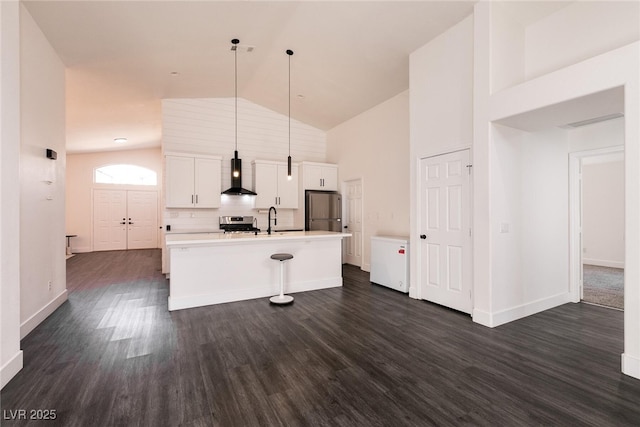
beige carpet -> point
(603, 286)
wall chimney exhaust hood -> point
(236, 163)
(236, 181)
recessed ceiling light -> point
(120, 140)
(174, 73)
(300, 96)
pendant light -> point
(235, 163)
(236, 188)
(289, 177)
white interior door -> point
(125, 220)
(445, 239)
(353, 203)
(142, 219)
(109, 220)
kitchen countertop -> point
(203, 239)
(194, 231)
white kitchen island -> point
(212, 269)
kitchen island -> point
(218, 268)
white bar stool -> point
(282, 298)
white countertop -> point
(204, 239)
(193, 230)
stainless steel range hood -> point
(236, 181)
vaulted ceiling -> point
(123, 57)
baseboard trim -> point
(81, 249)
(11, 368)
(30, 324)
(366, 267)
(603, 263)
(630, 366)
(482, 317)
(501, 317)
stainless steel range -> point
(238, 224)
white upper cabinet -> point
(273, 187)
(192, 182)
(319, 176)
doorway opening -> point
(597, 232)
(352, 246)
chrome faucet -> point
(275, 220)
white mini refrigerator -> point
(390, 262)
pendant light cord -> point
(289, 100)
(235, 72)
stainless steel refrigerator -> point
(323, 210)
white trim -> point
(603, 263)
(630, 366)
(482, 317)
(220, 298)
(518, 312)
(448, 150)
(81, 249)
(31, 323)
(11, 368)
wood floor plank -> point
(360, 355)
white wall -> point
(80, 185)
(506, 215)
(441, 101)
(374, 146)
(545, 218)
(603, 214)
(615, 68)
(42, 181)
(608, 249)
(440, 110)
(529, 207)
(609, 133)
(532, 38)
(10, 353)
(206, 126)
(581, 30)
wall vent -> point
(592, 121)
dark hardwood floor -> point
(360, 355)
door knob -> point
(423, 236)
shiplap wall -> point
(207, 126)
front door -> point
(142, 219)
(109, 220)
(353, 203)
(445, 239)
(124, 220)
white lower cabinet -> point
(192, 182)
(272, 185)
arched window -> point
(125, 174)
